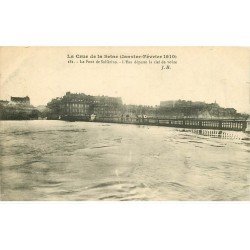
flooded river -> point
(56, 160)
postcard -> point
(124, 123)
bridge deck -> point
(235, 125)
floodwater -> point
(57, 160)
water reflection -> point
(222, 134)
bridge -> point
(225, 124)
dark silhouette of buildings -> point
(20, 100)
(18, 108)
(82, 105)
(4, 103)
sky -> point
(209, 74)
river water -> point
(56, 160)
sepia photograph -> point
(124, 123)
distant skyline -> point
(158, 104)
(206, 74)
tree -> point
(54, 105)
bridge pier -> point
(248, 125)
(220, 124)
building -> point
(168, 104)
(139, 110)
(75, 107)
(18, 108)
(181, 104)
(82, 105)
(4, 103)
(20, 100)
(107, 106)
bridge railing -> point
(228, 124)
